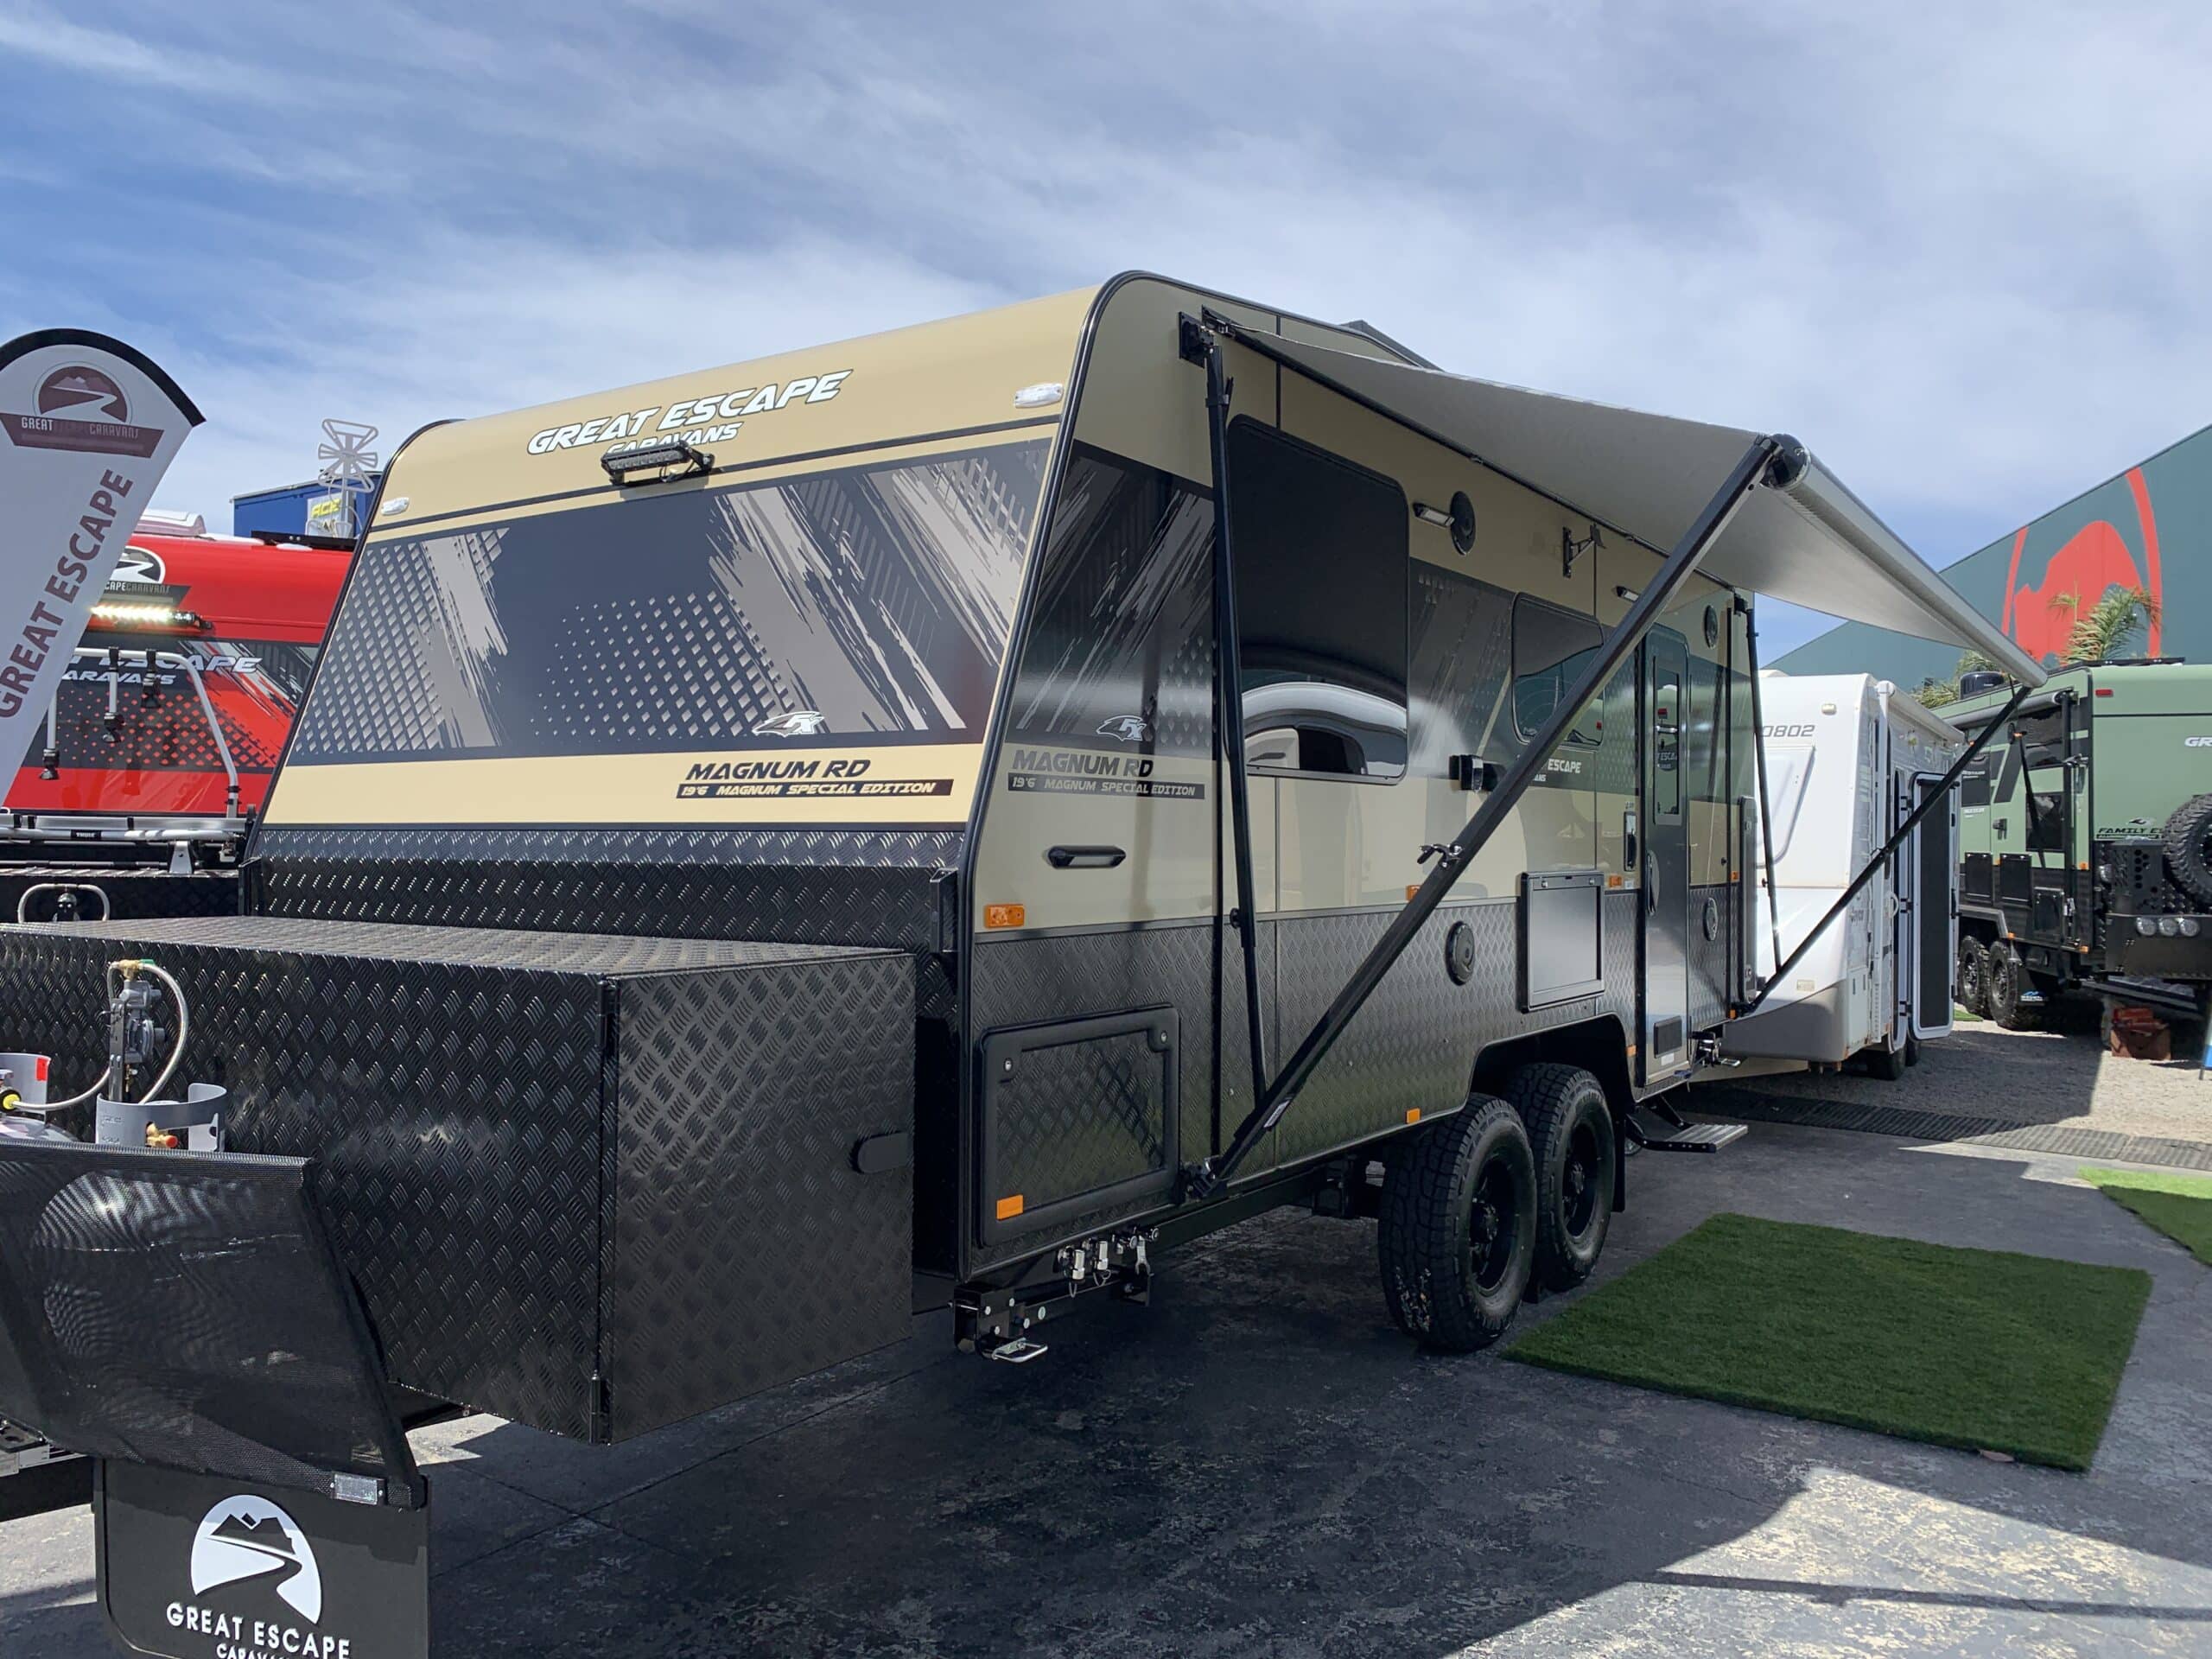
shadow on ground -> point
(1259, 1464)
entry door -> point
(1665, 863)
(1935, 857)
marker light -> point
(2146, 926)
(2188, 927)
(2169, 927)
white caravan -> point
(1847, 759)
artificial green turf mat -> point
(1968, 1348)
(2180, 1206)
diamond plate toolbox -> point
(591, 1183)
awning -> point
(1810, 542)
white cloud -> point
(1961, 260)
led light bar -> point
(131, 617)
(675, 459)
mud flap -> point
(181, 1317)
(198, 1567)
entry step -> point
(1697, 1137)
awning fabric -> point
(1812, 542)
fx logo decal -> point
(245, 1536)
(798, 722)
(1126, 728)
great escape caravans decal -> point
(714, 418)
(89, 426)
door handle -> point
(1650, 883)
(1084, 858)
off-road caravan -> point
(1848, 759)
(759, 856)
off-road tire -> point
(1971, 991)
(1911, 1049)
(2188, 848)
(1454, 1288)
(2008, 980)
(1570, 1128)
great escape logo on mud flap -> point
(712, 419)
(244, 1540)
(1080, 771)
(846, 779)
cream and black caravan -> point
(936, 819)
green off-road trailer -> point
(2085, 841)
(932, 821)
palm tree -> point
(2104, 631)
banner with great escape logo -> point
(87, 426)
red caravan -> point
(129, 738)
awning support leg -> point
(1281, 1093)
(1766, 801)
(1199, 343)
(1928, 802)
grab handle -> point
(1084, 858)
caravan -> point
(1848, 759)
(935, 821)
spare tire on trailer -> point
(2188, 848)
(1570, 1126)
(1457, 1238)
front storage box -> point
(595, 1185)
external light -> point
(2188, 927)
(2169, 927)
(656, 461)
(138, 618)
(2146, 926)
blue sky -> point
(1960, 250)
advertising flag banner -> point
(87, 426)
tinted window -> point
(1120, 649)
(1974, 784)
(871, 600)
(1321, 574)
(1551, 647)
(1667, 743)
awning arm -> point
(1766, 800)
(1927, 801)
(1197, 343)
(1768, 459)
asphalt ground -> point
(1258, 1464)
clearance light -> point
(147, 619)
(2188, 927)
(2146, 926)
(661, 460)
(2170, 927)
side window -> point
(1974, 782)
(1667, 743)
(1551, 647)
(1119, 652)
(1321, 576)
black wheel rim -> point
(1495, 1226)
(1579, 1181)
(1969, 977)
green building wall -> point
(2151, 527)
